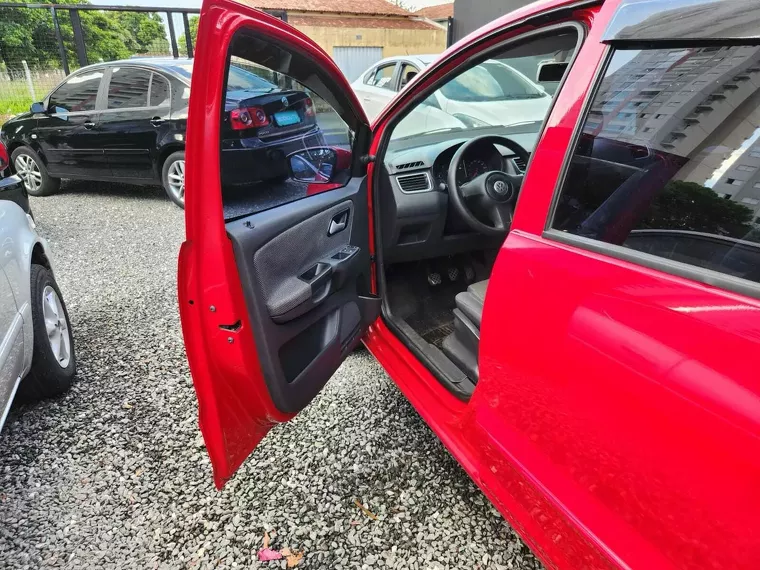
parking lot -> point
(115, 475)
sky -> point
(416, 4)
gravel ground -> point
(115, 475)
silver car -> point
(36, 345)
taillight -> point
(4, 159)
(309, 107)
(248, 118)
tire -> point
(33, 172)
(48, 377)
(174, 166)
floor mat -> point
(427, 309)
(436, 336)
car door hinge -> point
(367, 158)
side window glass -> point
(280, 141)
(668, 161)
(78, 93)
(497, 96)
(128, 88)
(383, 77)
(408, 72)
(159, 91)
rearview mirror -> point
(551, 71)
(313, 165)
(38, 108)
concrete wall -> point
(469, 15)
(394, 41)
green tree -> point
(25, 34)
(146, 28)
(690, 206)
(28, 34)
(182, 44)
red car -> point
(572, 304)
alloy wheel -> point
(176, 179)
(57, 326)
(29, 171)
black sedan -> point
(125, 121)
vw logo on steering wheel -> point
(500, 187)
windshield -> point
(500, 94)
(239, 79)
(491, 81)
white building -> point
(699, 103)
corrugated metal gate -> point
(353, 60)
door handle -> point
(156, 121)
(89, 125)
(338, 223)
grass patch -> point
(13, 104)
(15, 97)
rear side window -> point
(668, 160)
(128, 88)
(382, 77)
(78, 93)
(159, 91)
(240, 79)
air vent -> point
(409, 165)
(519, 163)
(410, 183)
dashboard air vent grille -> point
(409, 165)
(519, 163)
(415, 182)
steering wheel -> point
(493, 192)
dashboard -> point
(418, 222)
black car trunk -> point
(287, 113)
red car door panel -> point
(253, 364)
(617, 395)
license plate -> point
(285, 118)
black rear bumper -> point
(12, 188)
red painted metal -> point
(4, 159)
(235, 409)
(616, 420)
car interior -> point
(444, 199)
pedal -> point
(434, 279)
(453, 273)
(469, 274)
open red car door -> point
(274, 277)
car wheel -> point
(32, 171)
(173, 177)
(53, 360)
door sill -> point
(439, 365)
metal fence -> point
(42, 43)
